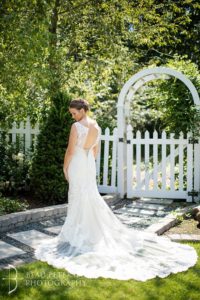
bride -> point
(93, 242)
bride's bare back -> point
(93, 131)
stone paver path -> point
(17, 246)
(183, 237)
(7, 250)
(31, 238)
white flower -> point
(20, 156)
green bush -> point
(47, 181)
(15, 163)
(8, 205)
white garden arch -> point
(123, 108)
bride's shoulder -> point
(94, 125)
(74, 125)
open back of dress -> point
(82, 135)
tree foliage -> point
(88, 48)
(167, 103)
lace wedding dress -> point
(94, 243)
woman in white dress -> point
(93, 242)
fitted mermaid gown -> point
(94, 243)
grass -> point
(38, 280)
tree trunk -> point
(54, 84)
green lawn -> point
(38, 280)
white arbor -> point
(123, 108)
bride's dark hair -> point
(79, 103)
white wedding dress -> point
(94, 243)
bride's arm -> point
(96, 150)
(71, 147)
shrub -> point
(15, 163)
(8, 205)
(47, 181)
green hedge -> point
(47, 181)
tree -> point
(168, 104)
(88, 48)
(47, 181)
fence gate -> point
(165, 166)
(155, 166)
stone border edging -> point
(168, 221)
(184, 237)
(17, 219)
(13, 220)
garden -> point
(52, 52)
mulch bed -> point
(187, 226)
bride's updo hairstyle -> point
(79, 103)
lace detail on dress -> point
(82, 134)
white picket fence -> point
(165, 169)
(106, 178)
(107, 181)
(161, 167)
(25, 132)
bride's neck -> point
(86, 118)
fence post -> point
(121, 156)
